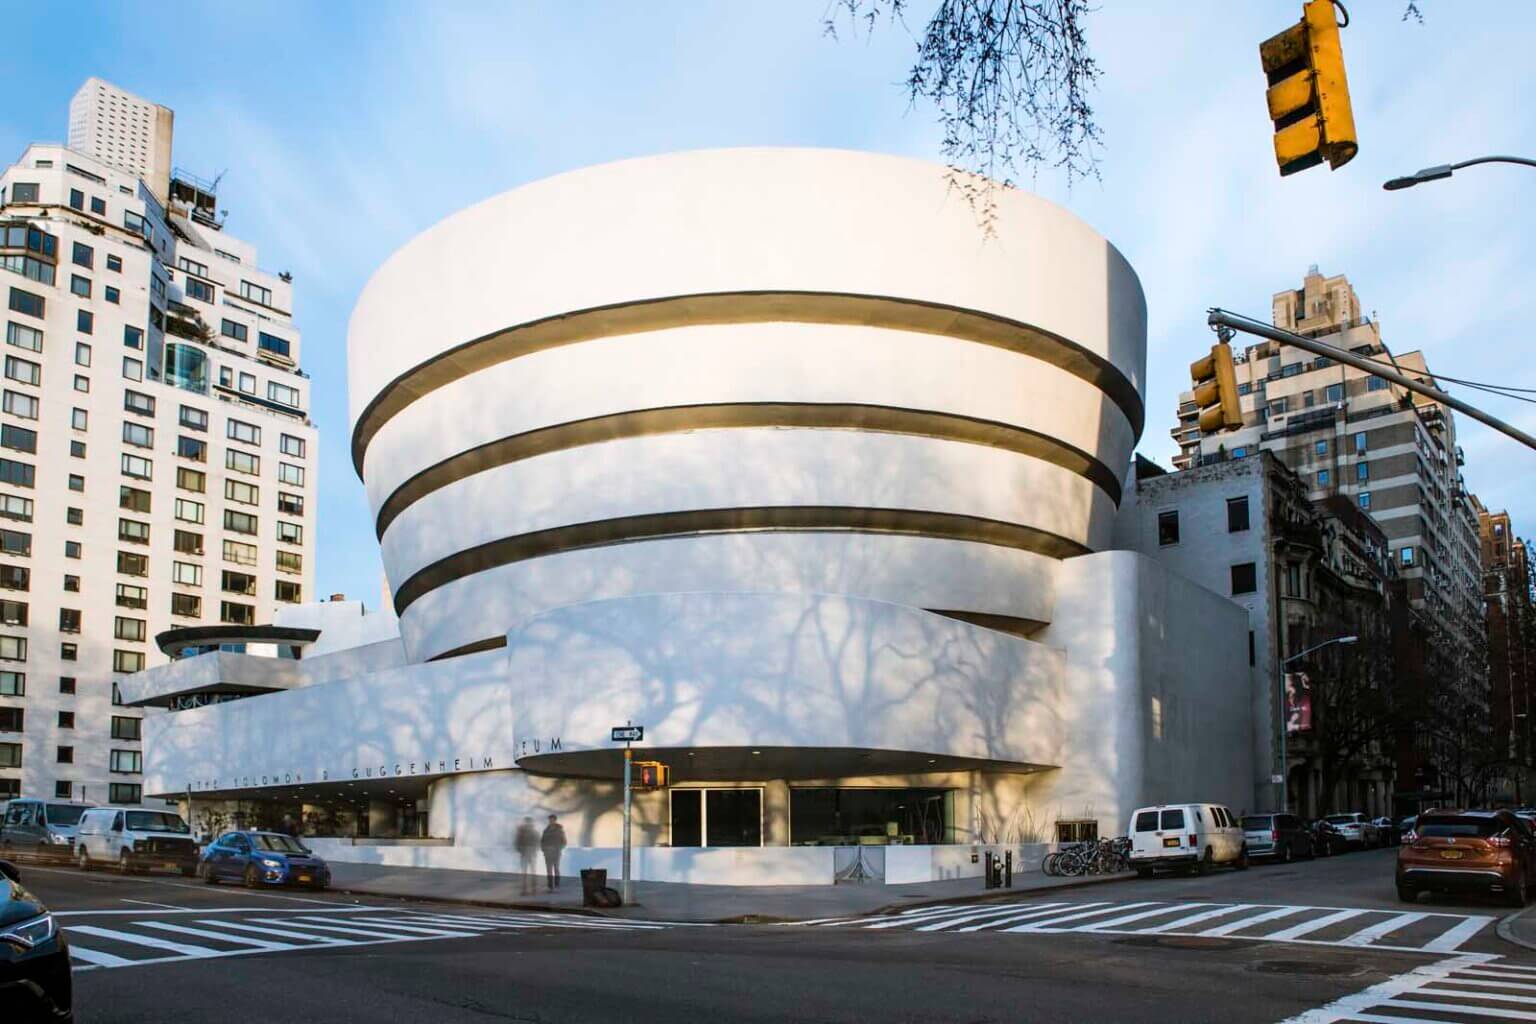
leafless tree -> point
(1009, 79)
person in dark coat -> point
(553, 842)
(527, 844)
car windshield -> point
(64, 814)
(155, 821)
(1340, 819)
(1446, 827)
(1257, 823)
(277, 843)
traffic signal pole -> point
(1224, 321)
(629, 892)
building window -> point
(245, 433)
(74, 516)
(133, 369)
(290, 533)
(187, 606)
(15, 507)
(79, 286)
(66, 719)
(233, 329)
(132, 564)
(255, 293)
(65, 755)
(290, 504)
(136, 467)
(1245, 578)
(85, 321)
(1334, 393)
(66, 684)
(194, 480)
(79, 419)
(133, 531)
(139, 403)
(71, 584)
(247, 384)
(193, 419)
(1406, 555)
(237, 614)
(290, 561)
(133, 499)
(138, 435)
(1322, 478)
(290, 445)
(12, 720)
(188, 543)
(202, 291)
(129, 629)
(273, 344)
(71, 550)
(115, 264)
(242, 493)
(189, 511)
(124, 793)
(192, 448)
(1360, 443)
(1365, 499)
(82, 354)
(238, 583)
(77, 449)
(127, 662)
(24, 192)
(22, 406)
(76, 482)
(239, 553)
(13, 648)
(98, 206)
(286, 590)
(22, 336)
(13, 684)
(1362, 471)
(1167, 528)
(10, 757)
(124, 728)
(18, 474)
(187, 574)
(242, 462)
(239, 522)
(23, 371)
(62, 789)
(14, 542)
(1321, 447)
(13, 613)
(1376, 384)
(126, 762)
(130, 596)
(282, 394)
(112, 294)
(133, 337)
(289, 473)
(28, 303)
(18, 439)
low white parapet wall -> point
(711, 865)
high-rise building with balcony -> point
(157, 463)
(1347, 433)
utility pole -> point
(626, 734)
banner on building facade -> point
(1298, 703)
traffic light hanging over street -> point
(1215, 386)
(1308, 92)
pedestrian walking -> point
(553, 842)
(527, 844)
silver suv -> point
(1356, 829)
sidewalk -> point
(1519, 927)
(671, 901)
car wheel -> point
(1407, 893)
(1206, 860)
(122, 863)
(1143, 872)
(82, 859)
(1519, 893)
(252, 879)
(206, 870)
(1242, 859)
(1286, 854)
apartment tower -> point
(157, 462)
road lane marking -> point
(1317, 924)
(142, 940)
(1025, 916)
(1477, 1011)
(204, 933)
(1051, 922)
(1384, 996)
(147, 903)
(345, 908)
(1366, 936)
(1453, 937)
(1142, 915)
(1247, 922)
(980, 915)
(98, 958)
(1184, 922)
(281, 933)
(398, 931)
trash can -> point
(593, 882)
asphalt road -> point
(167, 949)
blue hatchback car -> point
(262, 858)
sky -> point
(343, 129)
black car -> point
(1327, 840)
(1281, 836)
(34, 957)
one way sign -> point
(628, 733)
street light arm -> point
(1439, 171)
(1526, 161)
(1318, 647)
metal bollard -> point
(1008, 869)
(986, 868)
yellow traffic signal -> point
(651, 775)
(1308, 92)
(1216, 390)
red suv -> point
(1479, 851)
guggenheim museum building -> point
(790, 458)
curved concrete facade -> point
(819, 350)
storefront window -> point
(719, 817)
(847, 817)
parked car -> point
(39, 828)
(34, 956)
(1195, 836)
(133, 839)
(1386, 831)
(1478, 851)
(1281, 836)
(1405, 826)
(263, 858)
(1356, 829)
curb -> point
(1000, 895)
(463, 901)
(1506, 928)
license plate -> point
(1170, 842)
(1451, 854)
(171, 865)
(303, 878)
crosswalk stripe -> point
(141, 940)
(1487, 981)
(1493, 969)
(1052, 922)
(1476, 1011)
(1495, 997)
(96, 956)
(204, 933)
(1140, 915)
(1453, 937)
(1021, 916)
(1186, 921)
(543, 921)
(1375, 1018)
(1317, 924)
(393, 925)
(1365, 936)
(1247, 922)
(374, 933)
(282, 933)
(905, 917)
(980, 915)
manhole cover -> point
(1311, 967)
(1179, 942)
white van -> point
(134, 839)
(1197, 836)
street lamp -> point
(1439, 171)
(1285, 767)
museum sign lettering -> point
(292, 777)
